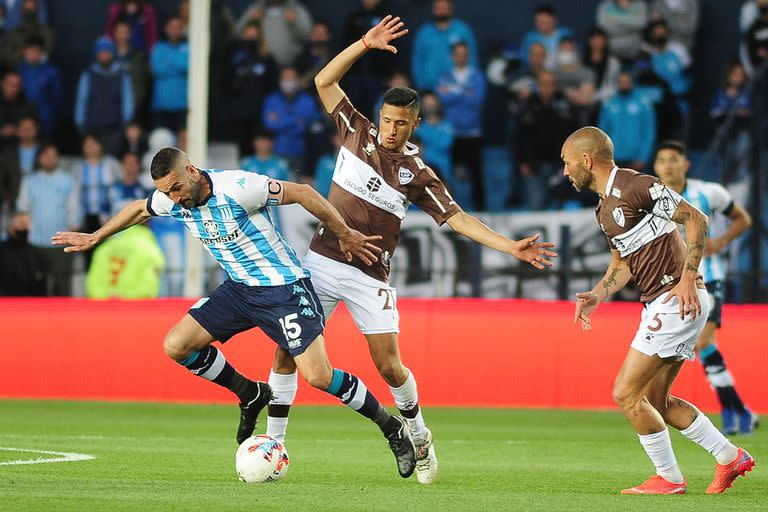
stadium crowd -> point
(631, 77)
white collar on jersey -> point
(411, 148)
(612, 177)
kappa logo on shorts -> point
(298, 289)
(307, 312)
(405, 176)
(304, 302)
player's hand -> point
(387, 30)
(355, 244)
(586, 304)
(75, 242)
(685, 291)
(535, 253)
(712, 246)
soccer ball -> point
(261, 459)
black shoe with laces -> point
(249, 412)
(401, 445)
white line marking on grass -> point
(62, 456)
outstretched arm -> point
(134, 213)
(616, 277)
(527, 249)
(352, 243)
(378, 37)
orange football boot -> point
(725, 474)
(657, 485)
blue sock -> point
(353, 393)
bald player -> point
(639, 215)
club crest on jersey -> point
(211, 228)
(369, 148)
(618, 216)
(374, 184)
(405, 176)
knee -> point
(176, 347)
(392, 371)
(318, 377)
(283, 362)
(624, 397)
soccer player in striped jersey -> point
(228, 211)
(378, 174)
(671, 165)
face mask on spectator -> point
(441, 19)
(289, 87)
(624, 92)
(567, 58)
(763, 10)
(659, 41)
(430, 112)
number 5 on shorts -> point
(656, 324)
(291, 329)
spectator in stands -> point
(288, 112)
(16, 162)
(462, 93)
(104, 102)
(396, 79)
(432, 47)
(95, 176)
(545, 120)
(286, 24)
(326, 164)
(42, 84)
(47, 203)
(523, 86)
(669, 59)
(365, 80)
(756, 39)
(545, 32)
(13, 106)
(29, 27)
(605, 66)
(134, 139)
(133, 62)
(631, 123)
(575, 80)
(733, 100)
(623, 21)
(436, 135)
(18, 13)
(682, 17)
(141, 16)
(317, 53)
(264, 160)
(655, 91)
(127, 188)
(170, 66)
(253, 76)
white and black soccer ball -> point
(261, 459)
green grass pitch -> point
(180, 457)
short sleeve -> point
(435, 200)
(649, 194)
(159, 205)
(720, 200)
(250, 190)
(348, 120)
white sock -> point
(658, 446)
(406, 399)
(704, 433)
(284, 389)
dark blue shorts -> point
(716, 291)
(289, 314)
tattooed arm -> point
(696, 225)
(616, 277)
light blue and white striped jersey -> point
(709, 198)
(235, 226)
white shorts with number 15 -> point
(372, 303)
(662, 333)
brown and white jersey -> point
(373, 187)
(636, 216)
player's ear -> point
(416, 123)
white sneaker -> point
(426, 459)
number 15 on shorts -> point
(291, 329)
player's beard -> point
(583, 179)
(194, 194)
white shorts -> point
(662, 333)
(372, 303)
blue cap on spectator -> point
(104, 44)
